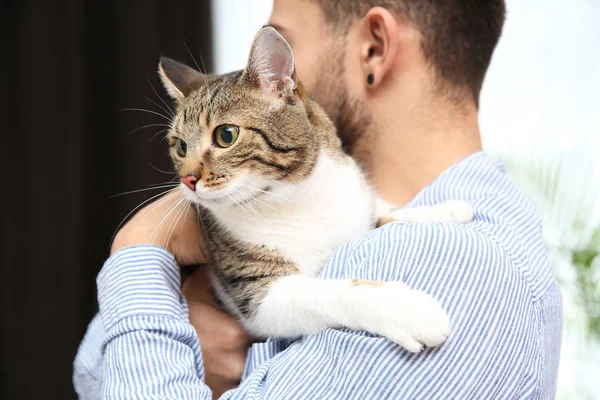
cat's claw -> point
(406, 341)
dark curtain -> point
(67, 69)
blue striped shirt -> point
(492, 276)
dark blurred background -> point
(68, 67)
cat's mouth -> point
(231, 195)
(202, 195)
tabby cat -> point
(277, 196)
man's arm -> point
(150, 350)
(491, 353)
(87, 367)
(492, 350)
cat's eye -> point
(226, 135)
(181, 147)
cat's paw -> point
(453, 211)
(411, 318)
(424, 323)
(456, 211)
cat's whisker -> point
(245, 203)
(163, 171)
(169, 182)
(267, 192)
(188, 207)
(171, 185)
(200, 220)
(203, 70)
(242, 205)
(157, 204)
(165, 217)
(146, 111)
(283, 198)
(203, 224)
(263, 203)
(158, 133)
(235, 201)
(193, 58)
(169, 112)
(205, 78)
(131, 212)
(178, 216)
(173, 221)
(146, 126)
(172, 113)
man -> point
(402, 79)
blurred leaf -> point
(565, 193)
(595, 241)
(584, 258)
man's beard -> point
(349, 115)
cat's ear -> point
(271, 63)
(179, 79)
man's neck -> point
(412, 146)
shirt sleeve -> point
(150, 351)
(87, 367)
(492, 347)
(492, 352)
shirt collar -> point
(473, 176)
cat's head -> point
(239, 135)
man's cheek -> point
(307, 66)
(306, 76)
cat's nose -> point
(190, 181)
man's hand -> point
(172, 224)
(168, 222)
(223, 340)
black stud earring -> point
(370, 79)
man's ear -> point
(179, 79)
(271, 63)
(380, 39)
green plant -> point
(585, 261)
(566, 193)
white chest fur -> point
(308, 221)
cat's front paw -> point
(420, 322)
(410, 318)
(452, 211)
(455, 211)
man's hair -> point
(458, 36)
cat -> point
(277, 196)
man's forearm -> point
(150, 350)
